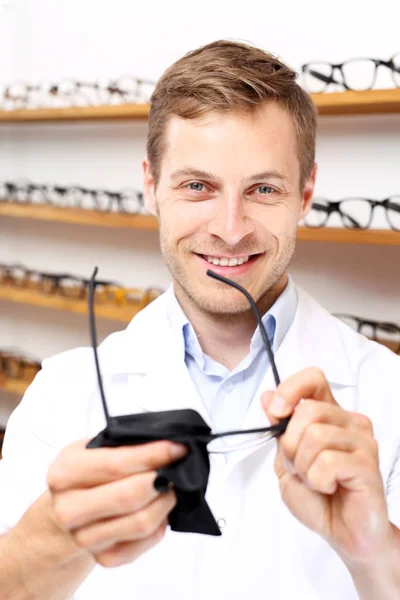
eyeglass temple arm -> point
(392, 206)
(322, 77)
(258, 317)
(93, 337)
(321, 207)
(276, 430)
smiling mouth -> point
(225, 261)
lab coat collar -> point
(149, 351)
(149, 348)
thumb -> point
(266, 401)
(275, 406)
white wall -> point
(87, 39)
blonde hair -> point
(229, 76)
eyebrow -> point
(198, 174)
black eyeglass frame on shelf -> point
(272, 431)
(329, 78)
(375, 326)
(329, 207)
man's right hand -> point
(106, 500)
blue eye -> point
(195, 186)
(265, 189)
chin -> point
(224, 302)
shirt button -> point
(229, 387)
(221, 523)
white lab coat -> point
(264, 552)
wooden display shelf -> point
(358, 103)
(381, 237)
(78, 113)
(77, 216)
(337, 103)
(34, 297)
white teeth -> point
(227, 262)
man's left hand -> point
(328, 469)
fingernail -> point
(279, 407)
(178, 451)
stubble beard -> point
(229, 302)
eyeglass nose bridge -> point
(334, 206)
(374, 203)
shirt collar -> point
(276, 321)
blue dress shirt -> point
(227, 395)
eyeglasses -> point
(72, 286)
(357, 74)
(379, 331)
(70, 92)
(222, 442)
(355, 213)
(17, 366)
(128, 201)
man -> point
(229, 173)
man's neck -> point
(226, 338)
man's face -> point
(229, 200)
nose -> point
(229, 220)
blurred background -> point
(50, 41)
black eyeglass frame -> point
(273, 430)
(384, 326)
(329, 79)
(337, 206)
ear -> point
(149, 188)
(308, 193)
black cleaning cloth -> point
(188, 475)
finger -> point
(320, 436)
(136, 526)
(75, 508)
(307, 413)
(354, 471)
(363, 423)
(309, 383)
(78, 466)
(127, 552)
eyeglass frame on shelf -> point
(335, 206)
(329, 80)
(21, 94)
(22, 192)
(384, 326)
